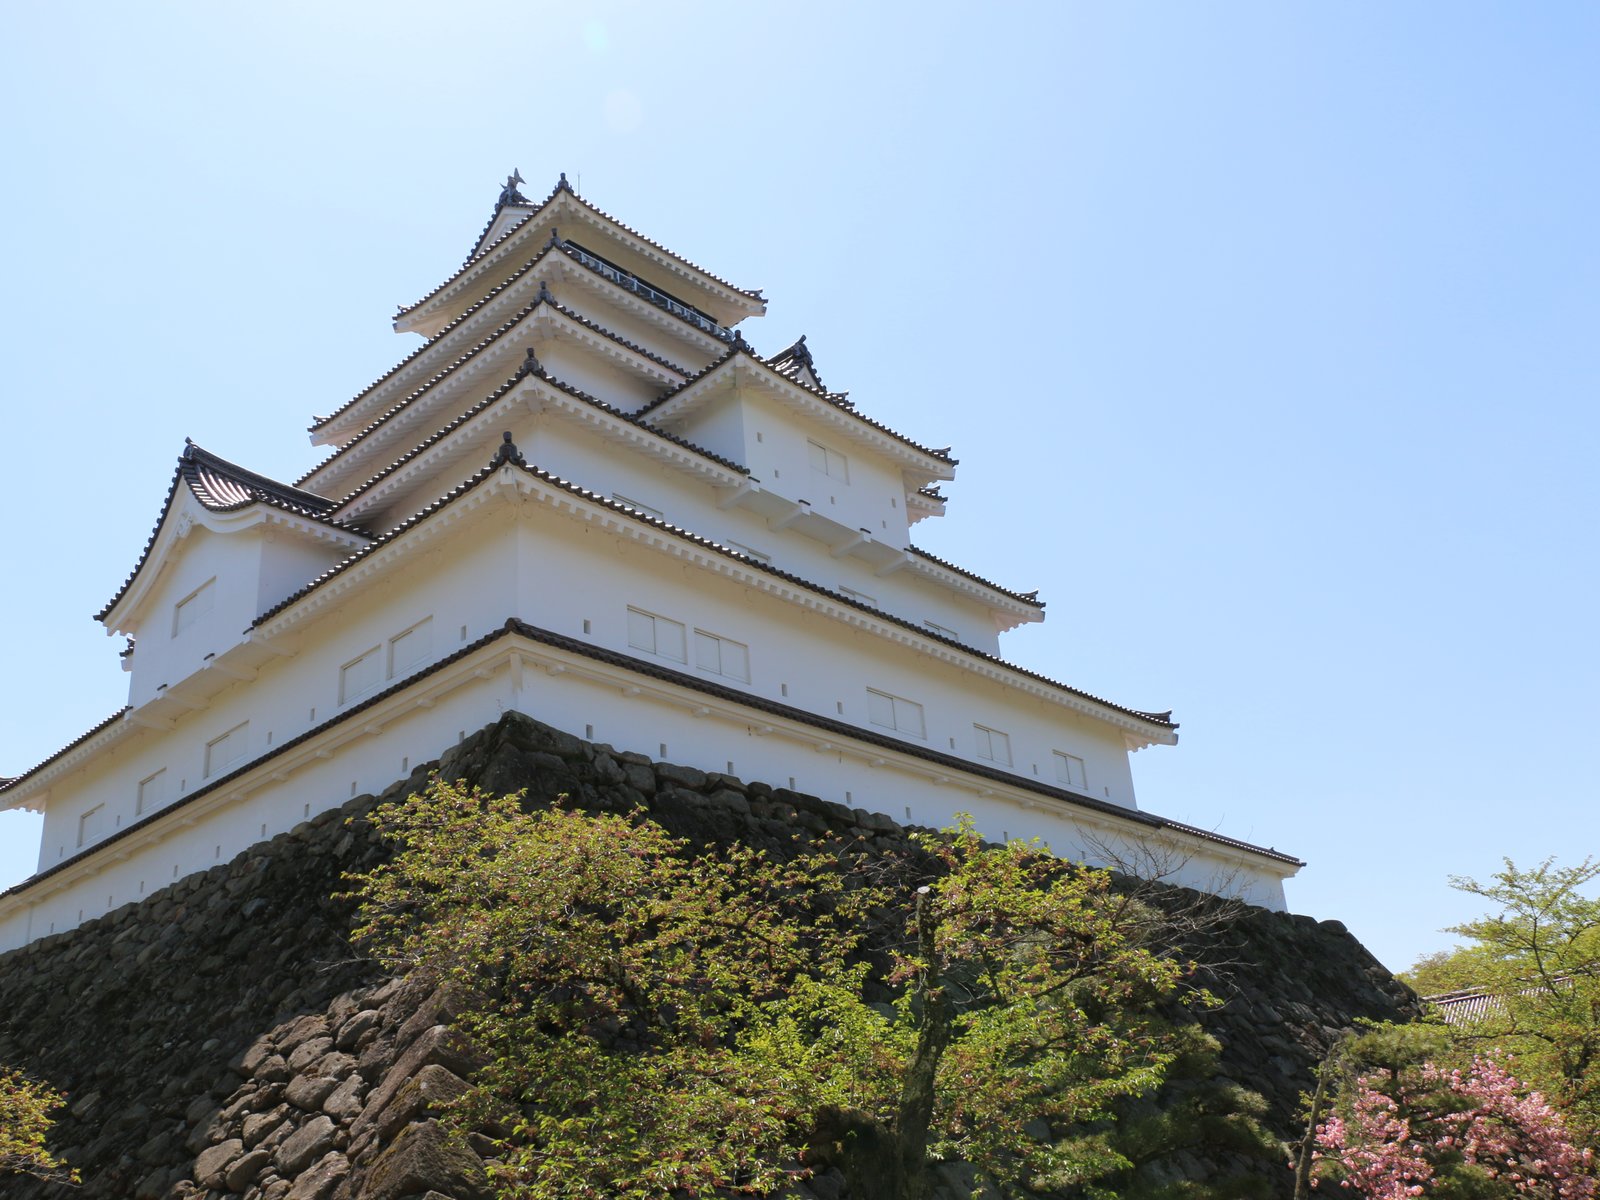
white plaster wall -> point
(233, 560)
(661, 723)
(802, 658)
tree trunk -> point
(1302, 1166)
(917, 1090)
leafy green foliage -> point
(25, 1116)
(1539, 956)
(658, 1023)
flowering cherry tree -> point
(1428, 1130)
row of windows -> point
(666, 638)
(363, 674)
(992, 745)
(358, 677)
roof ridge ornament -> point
(555, 239)
(530, 366)
(738, 343)
(507, 452)
(545, 293)
(509, 193)
(563, 185)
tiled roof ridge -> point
(181, 475)
(504, 389)
(8, 784)
(471, 352)
(1030, 598)
(478, 477)
(837, 399)
(799, 355)
(482, 254)
(261, 486)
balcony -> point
(638, 287)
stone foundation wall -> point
(221, 1038)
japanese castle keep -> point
(585, 497)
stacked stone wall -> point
(221, 1039)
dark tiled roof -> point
(472, 352)
(479, 407)
(795, 358)
(495, 396)
(222, 486)
(473, 481)
(564, 186)
(7, 784)
(837, 399)
(1031, 598)
(322, 422)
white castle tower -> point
(584, 497)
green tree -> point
(657, 1022)
(1539, 956)
(26, 1107)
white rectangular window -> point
(943, 631)
(830, 462)
(656, 635)
(895, 712)
(1069, 771)
(91, 825)
(231, 747)
(152, 792)
(194, 606)
(634, 504)
(721, 656)
(748, 551)
(858, 597)
(993, 745)
(411, 648)
(360, 675)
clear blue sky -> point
(1266, 335)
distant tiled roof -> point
(1163, 719)
(493, 397)
(1031, 598)
(484, 344)
(222, 486)
(563, 186)
(837, 399)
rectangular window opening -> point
(410, 648)
(360, 675)
(222, 752)
(828, 461)
(896, 712)
(992, 745)
(152, 792)
(192, 607)
(656, 635)
(1069, 771)
(723, 656)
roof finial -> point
(564, 186)
(545, 293)
(530, 366)
(509, 193)
(555, 238)
(738, 342)
(507, 452)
